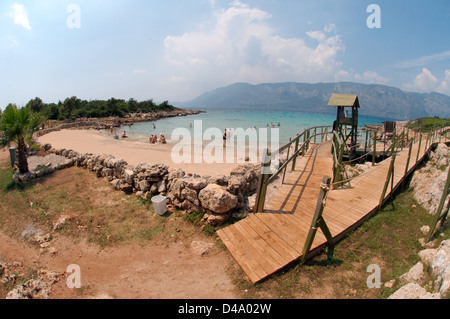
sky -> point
(176, 50)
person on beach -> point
(162, 139)
(225, 138)
(124, 134)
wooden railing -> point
(399, 142)
(309, 136)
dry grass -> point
(107, 217)
(96, 212)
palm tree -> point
(17, 125)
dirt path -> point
(159, 271)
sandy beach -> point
(133, 152)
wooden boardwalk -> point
(264, 243)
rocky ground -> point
(430, 277)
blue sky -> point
(178, 49)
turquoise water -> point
(291, 123)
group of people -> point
(153, 139)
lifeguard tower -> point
(346, 124)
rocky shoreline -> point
(108, 122)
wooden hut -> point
(346, 123)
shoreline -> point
(133, 152)
(114, 121)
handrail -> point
(303, 146)
(266, 178)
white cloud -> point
(368, 77)
(433, 58)
(243, 47)
(424, 82)
(20, 16)
(428, 82)
(444, 87)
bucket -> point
(159, 204)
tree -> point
(70, 104)
(36, 105)
(17, 125)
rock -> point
(251, 200)
(157, 170)
(116, 184)
(190, 195)
(425, 229)
(126, 188)
(47, 147)
(177, 173)
(201, 248)
(221, 180)
(162, 187)
(144, 186)
(176, 187)
(440, 266)
(128, 176)
(40, 239)
(62, 220)
(236, 184)
(32, 289)
(240, 170)
(214, 198)
(196, 183)
(414, 275)
(413, 291)
(390, 283)
(216, 219)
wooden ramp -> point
(264, 243)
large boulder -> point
(413, 291)
(216, 199)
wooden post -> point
(420, 144)
(409, 158)
(262, 183)
(365, 144)
(318, 220)
(438, 215)
(285, 168)
(294, 161)
(374, 148)
(389, 176)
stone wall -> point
(218, 197)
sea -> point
(288, 123)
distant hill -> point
(376, 100)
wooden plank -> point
(275, 240)
(247, 265)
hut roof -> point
(349, 100)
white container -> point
(159, 204)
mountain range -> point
(375, 100)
